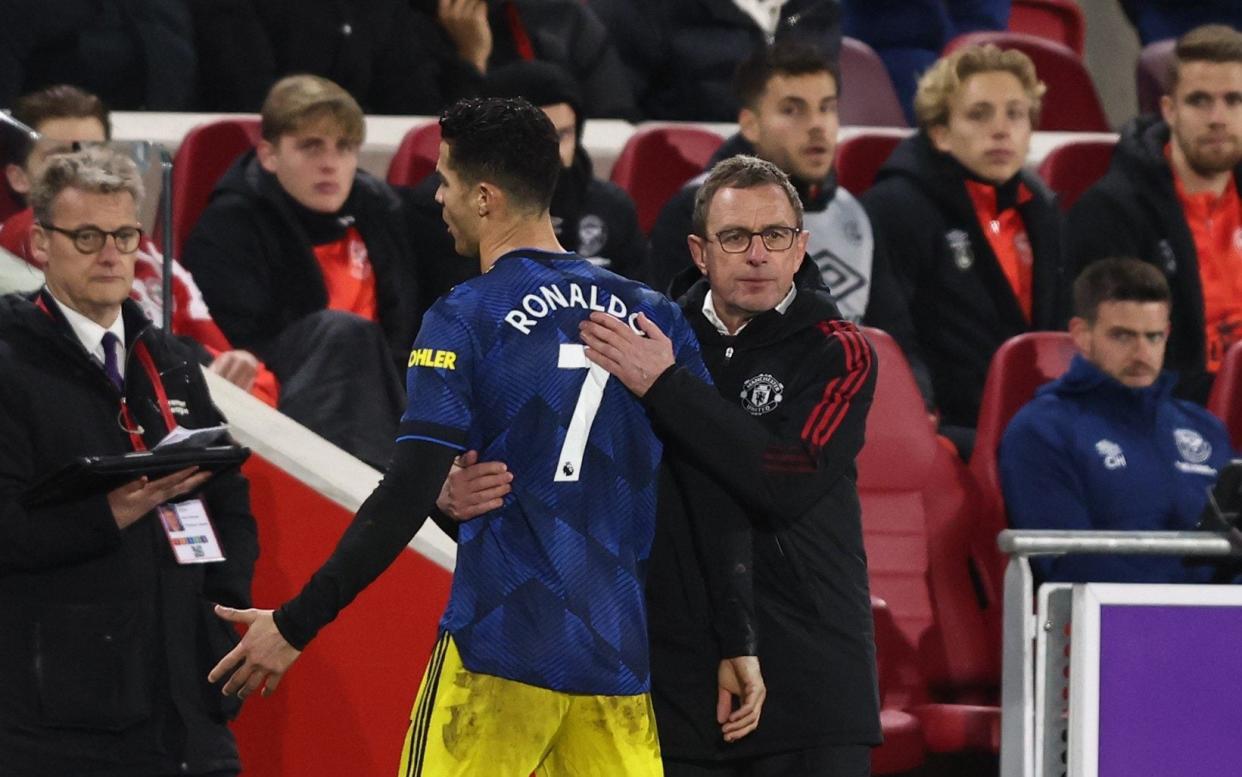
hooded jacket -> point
(841, 246)
(105, 641)
(1133, 211)
(949, 304)
(252, 255)
(789, 408)
(1091, 453)
(682, 54)
(595, 219)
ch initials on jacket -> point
(1111, 453)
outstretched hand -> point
(634, 360)
(741, 685)
(259, 661)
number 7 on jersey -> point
(573, 357)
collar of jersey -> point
(537, 254)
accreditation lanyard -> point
(126, 419)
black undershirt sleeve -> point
(384, 525)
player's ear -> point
(487, 198)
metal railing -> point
(1018, 712)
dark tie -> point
(110, 342)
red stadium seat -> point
(1057, 20)
(1071, 169)
(204, 155)
(1021, 365)
(860, 157)
(867, 95)
(1071, 102)
(1225, 401)
(1151, 74)
(9, 204)
(415, 158)
(655, 163)
(937, 659)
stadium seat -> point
(1071, 102)
(1072, 168)
(1225, 401)
(859, 158)
(937, 660)
(654, 163)
(1021, 365)
(1057, 20)
(867, 95)
(9, 204)
(1151, 74)
(415, 158)
(204, 155)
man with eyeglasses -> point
(105, 637)
(64, 115)
(789, 93)
(780, 432)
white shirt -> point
(709, 311)
(91, 334)
(766, 13)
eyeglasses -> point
(737, 241)
(91, 240)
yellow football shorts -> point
(466, 724)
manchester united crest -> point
(761, 394)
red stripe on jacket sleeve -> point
(824, 419)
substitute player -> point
(543, 660)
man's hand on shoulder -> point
(259, 661)
(631, 358)
(740, 683)
(473, 487)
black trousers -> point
(338, 378)
(827, 761)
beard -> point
(1208, 160)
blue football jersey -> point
(548, 588)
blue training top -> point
(548, 588)
(1091, 453)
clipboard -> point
(88, 475)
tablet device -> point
(87, 475)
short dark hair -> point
(1217, 43)
(784, 57)
(1118, 280)
(742, 172)
(508, 142)
(55, 102)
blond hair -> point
(296, 102)
(944, 78)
